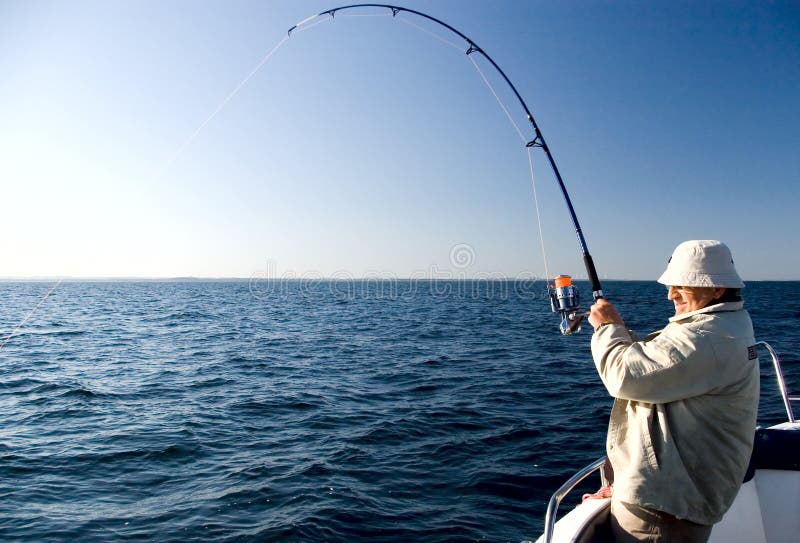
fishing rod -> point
(564, 297)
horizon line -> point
(192, 278)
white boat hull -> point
(766, 509)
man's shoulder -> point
(710, 312)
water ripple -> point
(197, 412)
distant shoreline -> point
(303, 279)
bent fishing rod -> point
(564, 297)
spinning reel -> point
(565, 300)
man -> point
(686, 397)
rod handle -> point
(591, 272)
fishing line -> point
(499, 102)
(563, 294)
(302, 26)
(538, 217)
(530, 163)
(502, 106)
(513, 123)
(366, 15)
(496, 97)
(306, 23)
(220, 107)
(28, 316)
(430, 33)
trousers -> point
(632, 523)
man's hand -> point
(602, 312)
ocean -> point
(314, 410)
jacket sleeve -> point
(676, 364)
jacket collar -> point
(716, 308)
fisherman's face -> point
(687, 299)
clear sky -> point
(130, 147)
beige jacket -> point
(682, 425)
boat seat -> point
(765, 509)
(743, 521)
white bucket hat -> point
(701, 263)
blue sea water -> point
(309, 411)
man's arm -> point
(679, 363)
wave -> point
(195, 412)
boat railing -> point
(776, 363)
(566, 488)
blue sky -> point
(365, 146)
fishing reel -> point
(565, 300)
